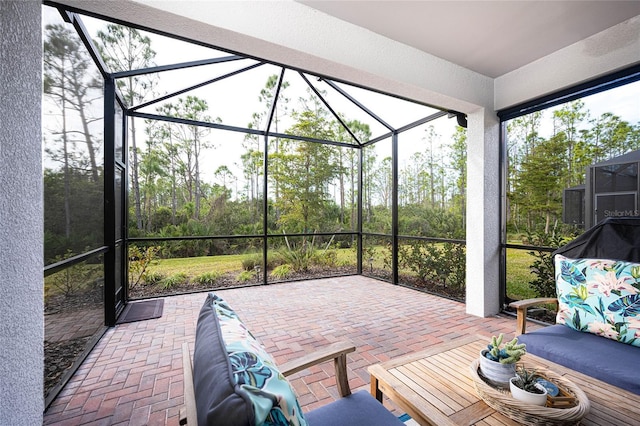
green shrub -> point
(327, 257)
(274, 259)
(153, 277)
(207, 278)
(245, 276)
(251, 261)
(174, 280)
(543, 282)
(442, 263)
(139, 261)
(369, 256)
(421, 258)
(300, 258)
(344, 262)
(456, 259)
(369, 253)
(282, 271)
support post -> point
(483, 214)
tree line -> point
(540, 168)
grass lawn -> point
(519, 275)
(194, 266)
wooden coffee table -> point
(434, 388)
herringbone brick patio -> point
(134, 374)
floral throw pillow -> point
(255, 372)
(599, 296)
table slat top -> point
(435, 387)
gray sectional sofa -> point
(597, 330)
(605, 359)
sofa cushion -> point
(357, 409)
(599, 296)
(236, 381)
(604, 359)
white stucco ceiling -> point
(489, 37)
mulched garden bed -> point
(455, 293)
(143, 291)
(229, 280)
(59, 357)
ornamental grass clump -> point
(509, 354)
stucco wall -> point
(613, 49)
(21, 218)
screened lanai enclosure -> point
(173, 167)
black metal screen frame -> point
(112, 95)
(591, 87)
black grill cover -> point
(616, 238)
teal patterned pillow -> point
(599, 296)
(255, 372)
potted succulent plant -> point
(524, 387)
(498, 361)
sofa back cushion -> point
(599, 296)
(236, 381)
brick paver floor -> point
(134, 374)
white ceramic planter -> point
(528, 397)
(496, 371)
